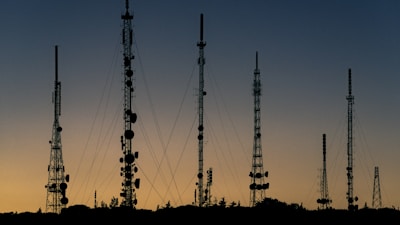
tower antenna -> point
(56, 185)
(129, 168)
(376, 195)
(208, 188)
(350, 198)
(257, 183)
(324, 201)
(201, 44)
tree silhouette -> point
(114, 202)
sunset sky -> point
(305, 49)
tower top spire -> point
(127, 16)
(201, 43)
(56, 63)
(201, 27)
(349, 82)
(256, 60)
(127, 5)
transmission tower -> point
(56, 185)
(129, 167)
(257, 183)
(208, 188)
(349, 194)
(324, 201)
(376, 195)
(95, 199)
(201, 44)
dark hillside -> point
(262, 214)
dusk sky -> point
(305, 49)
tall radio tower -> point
(201, 44)
(129, 167)
(56, 185)
(324, 201)
(257, 183)
(350, 198)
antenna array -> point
(324, 201)
(257, 184)
(201, 44)
(350, 198)
(129, 167)
(56, 186)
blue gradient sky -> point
(305, 50)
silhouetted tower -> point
(257, 183)
(324, 201)
(201, 61)
(56, 185)
(208, 188)
(95, 199)
(129, 167)
(350, 198)
(376, 195)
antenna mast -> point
(350, 198)
(56, 186)
(201, 44)
(129, 168)
(324, 200)
(376, 195)
(257, 184)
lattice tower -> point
(376, 194)
(349, 195)
(129, 168)
(56, 185)
(324, 200)
(201, 61)
(257, 175)
(208, 187)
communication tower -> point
(201, 61)
(376, 195)
(129, 168)
(95, 199)
(350, 198)
(324, 201)
(56, 185)
(208, 189)
(257, 183)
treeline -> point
(269, 212)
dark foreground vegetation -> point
(269, 212)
